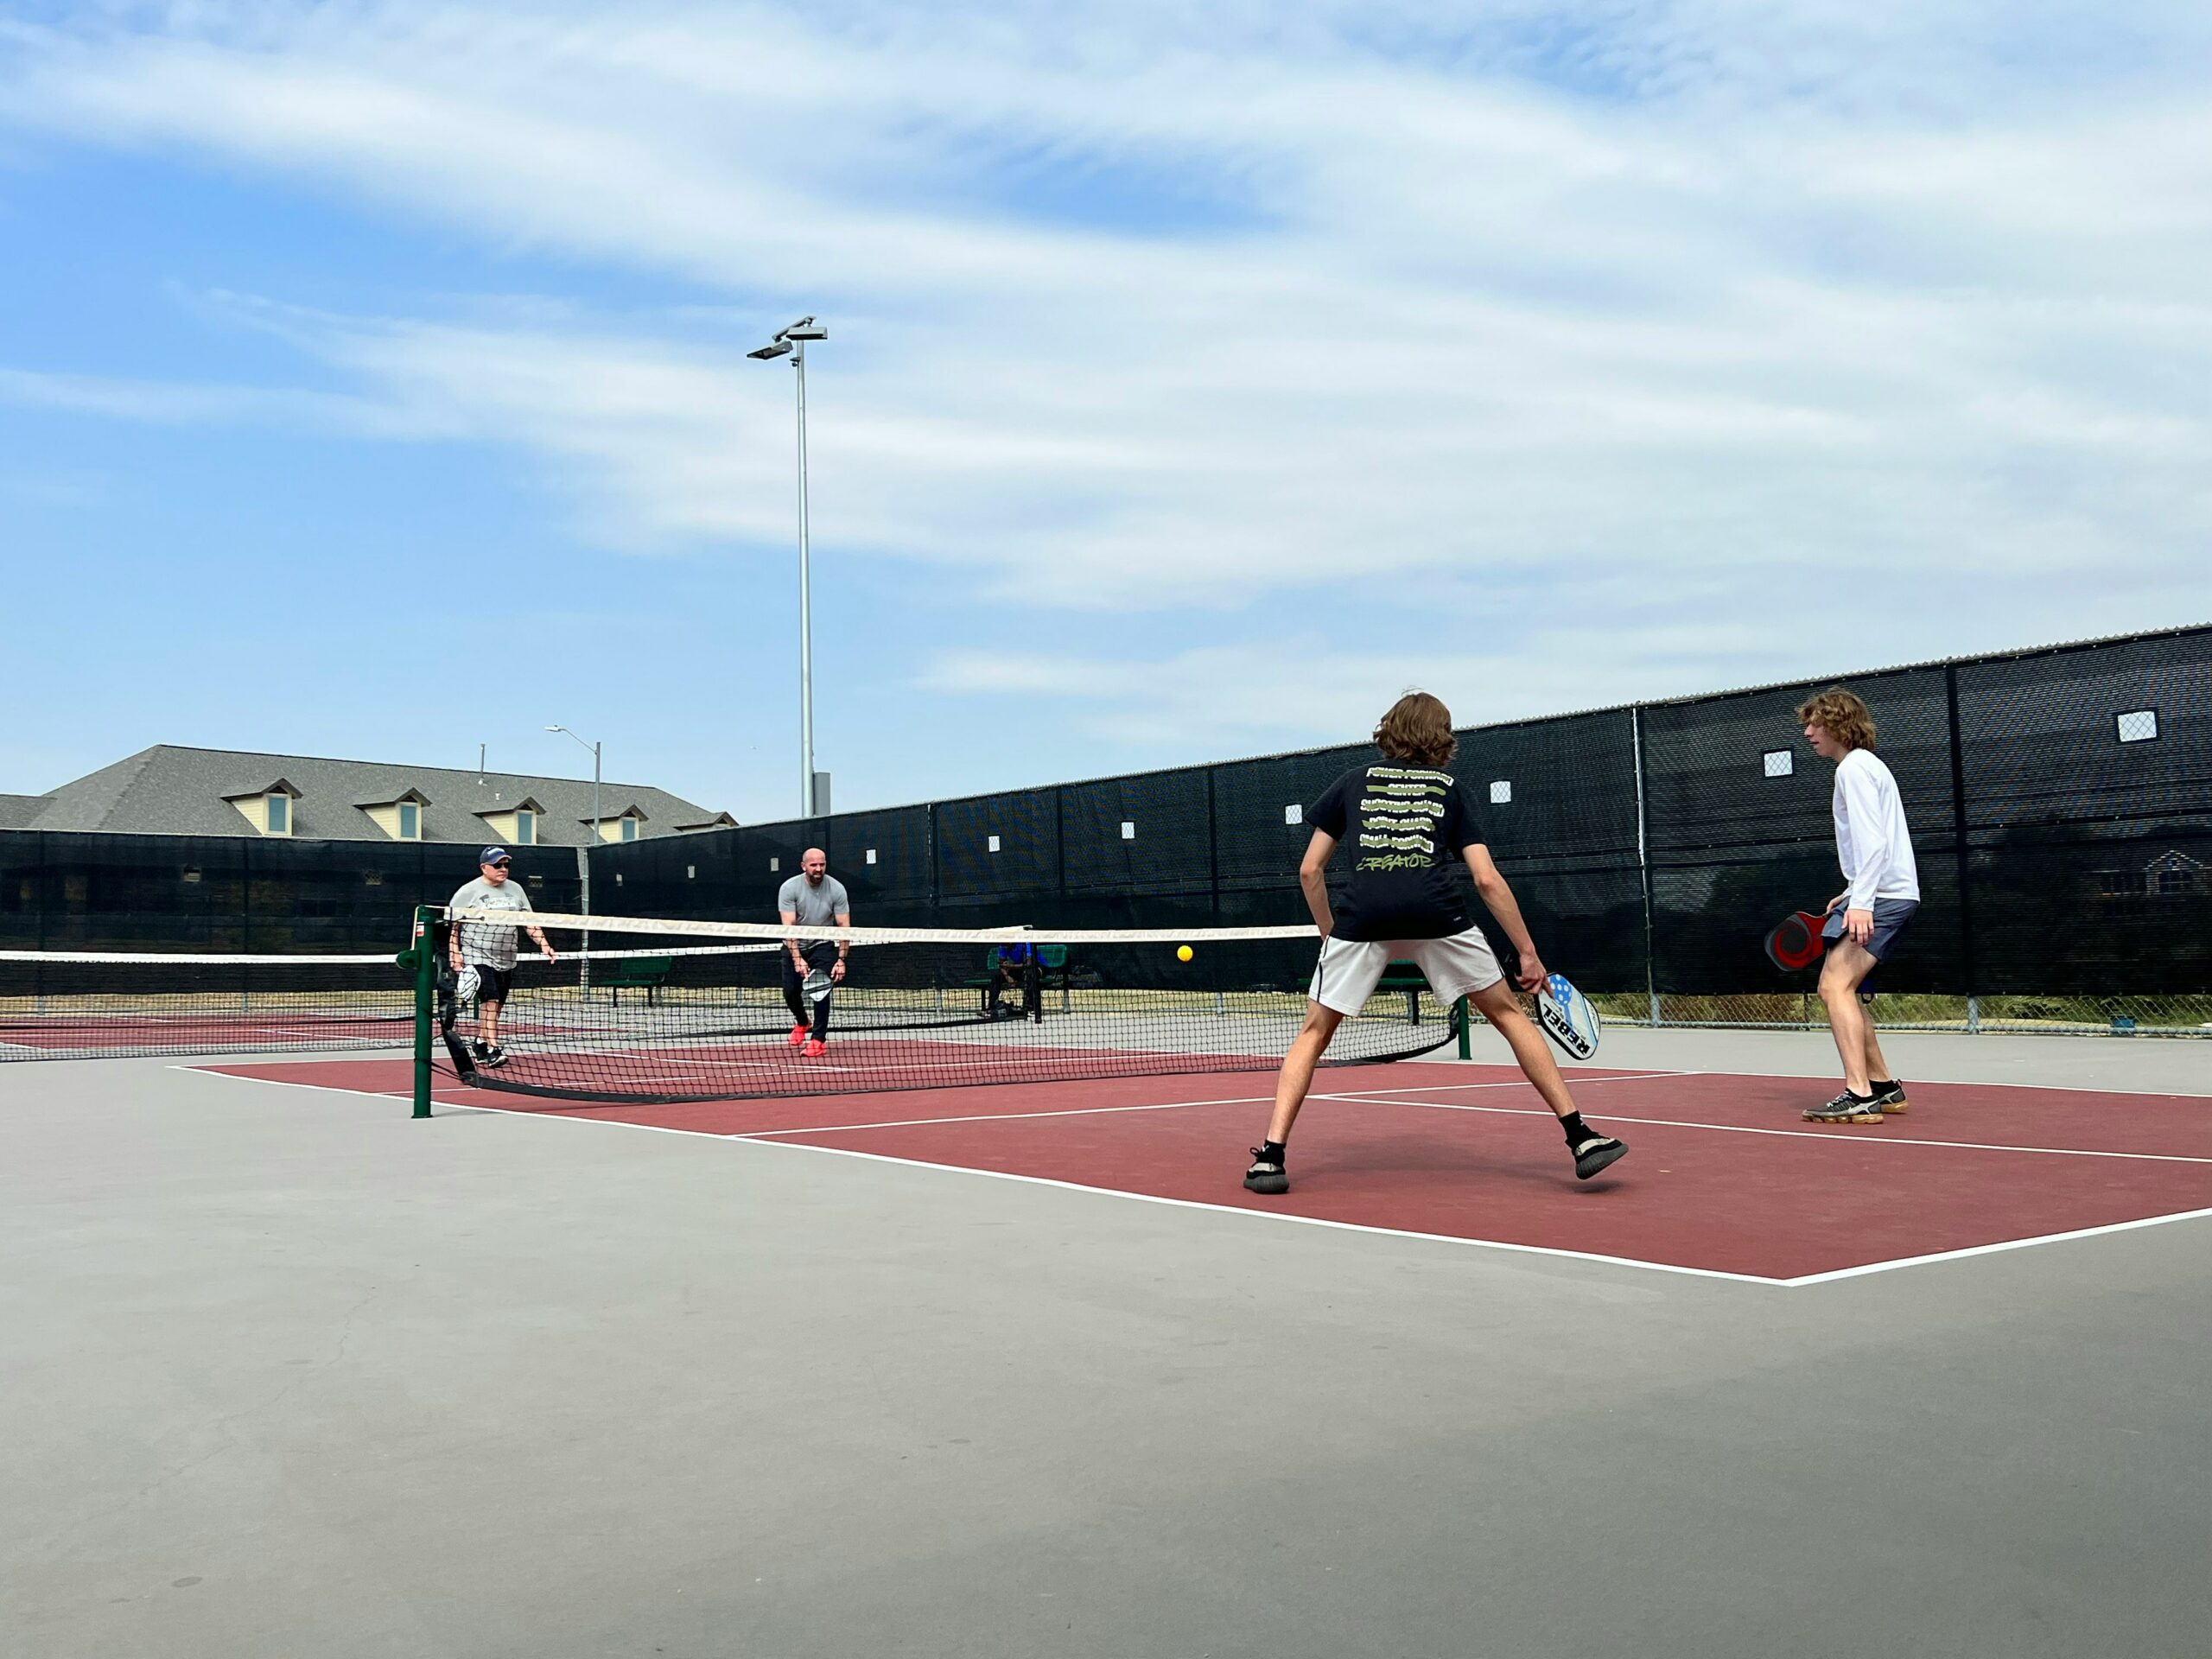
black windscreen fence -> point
(64, 890)
(2060, 802)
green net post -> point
(422, 956)
(1466, 1034)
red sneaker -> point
(797, 1036)
(815, 1051)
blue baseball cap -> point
(494, 856)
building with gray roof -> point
(170, 790)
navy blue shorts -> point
(1892, 918)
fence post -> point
(1643, 862)
(1962, 853)
(1213, 847)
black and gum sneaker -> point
(494, 1055)
(1847, 1107)
(1266, 1175)
(1890, 1096)
(1598, 1151)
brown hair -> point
(1841, 714)
(1417, 728)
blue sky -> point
(372, 376)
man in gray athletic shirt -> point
(813, 898)
(490, 948)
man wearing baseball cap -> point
(489, 947)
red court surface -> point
(1724, 1177)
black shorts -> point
(493, 984)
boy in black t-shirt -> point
(1408, 823)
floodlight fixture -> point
(791, 342)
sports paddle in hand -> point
(1567, 1018)
(1794, 942)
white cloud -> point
(1308, 689)
(1722, 309)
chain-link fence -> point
(2060, 800)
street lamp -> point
(589, 847)
(791, 342)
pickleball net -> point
(95, 1005)
(673, 1011)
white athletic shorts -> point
(1351, 968)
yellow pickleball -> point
(1183, 953)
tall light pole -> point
(791, 342)
(589, 846)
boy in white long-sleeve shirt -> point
(1874, 846)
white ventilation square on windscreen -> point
(871, 855)
(1501, 791)
(1293, 814)
(1780, 763)
(775, 863)
(1129, 830)
(2138, 725)
(993, 844)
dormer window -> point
(625, 825)
(400, 818)
(268, 810)
(517, 825)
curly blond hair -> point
(1418, 728)
(1842, 714)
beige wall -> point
(254, 809)
(387, 818)
(502, 827)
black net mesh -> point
(700, 1011)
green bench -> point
(1051, 959)
(647, 974)
(1405, 976)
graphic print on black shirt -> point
(1403, 829)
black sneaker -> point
(493, 1055)
(1266, 1175)
(1598, 1151)
(1890, 1098)
(1847, 1107)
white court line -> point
(1805, 1280)
(1575, 1077)
(1999, 1248)
(1360, 1099)
(1067, 1186)
(1002, 1117)
(1279, 1214)
(1799, 1134)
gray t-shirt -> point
(815, 907)
(487, 943)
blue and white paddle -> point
(1568, 1018)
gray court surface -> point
(286, 1373)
